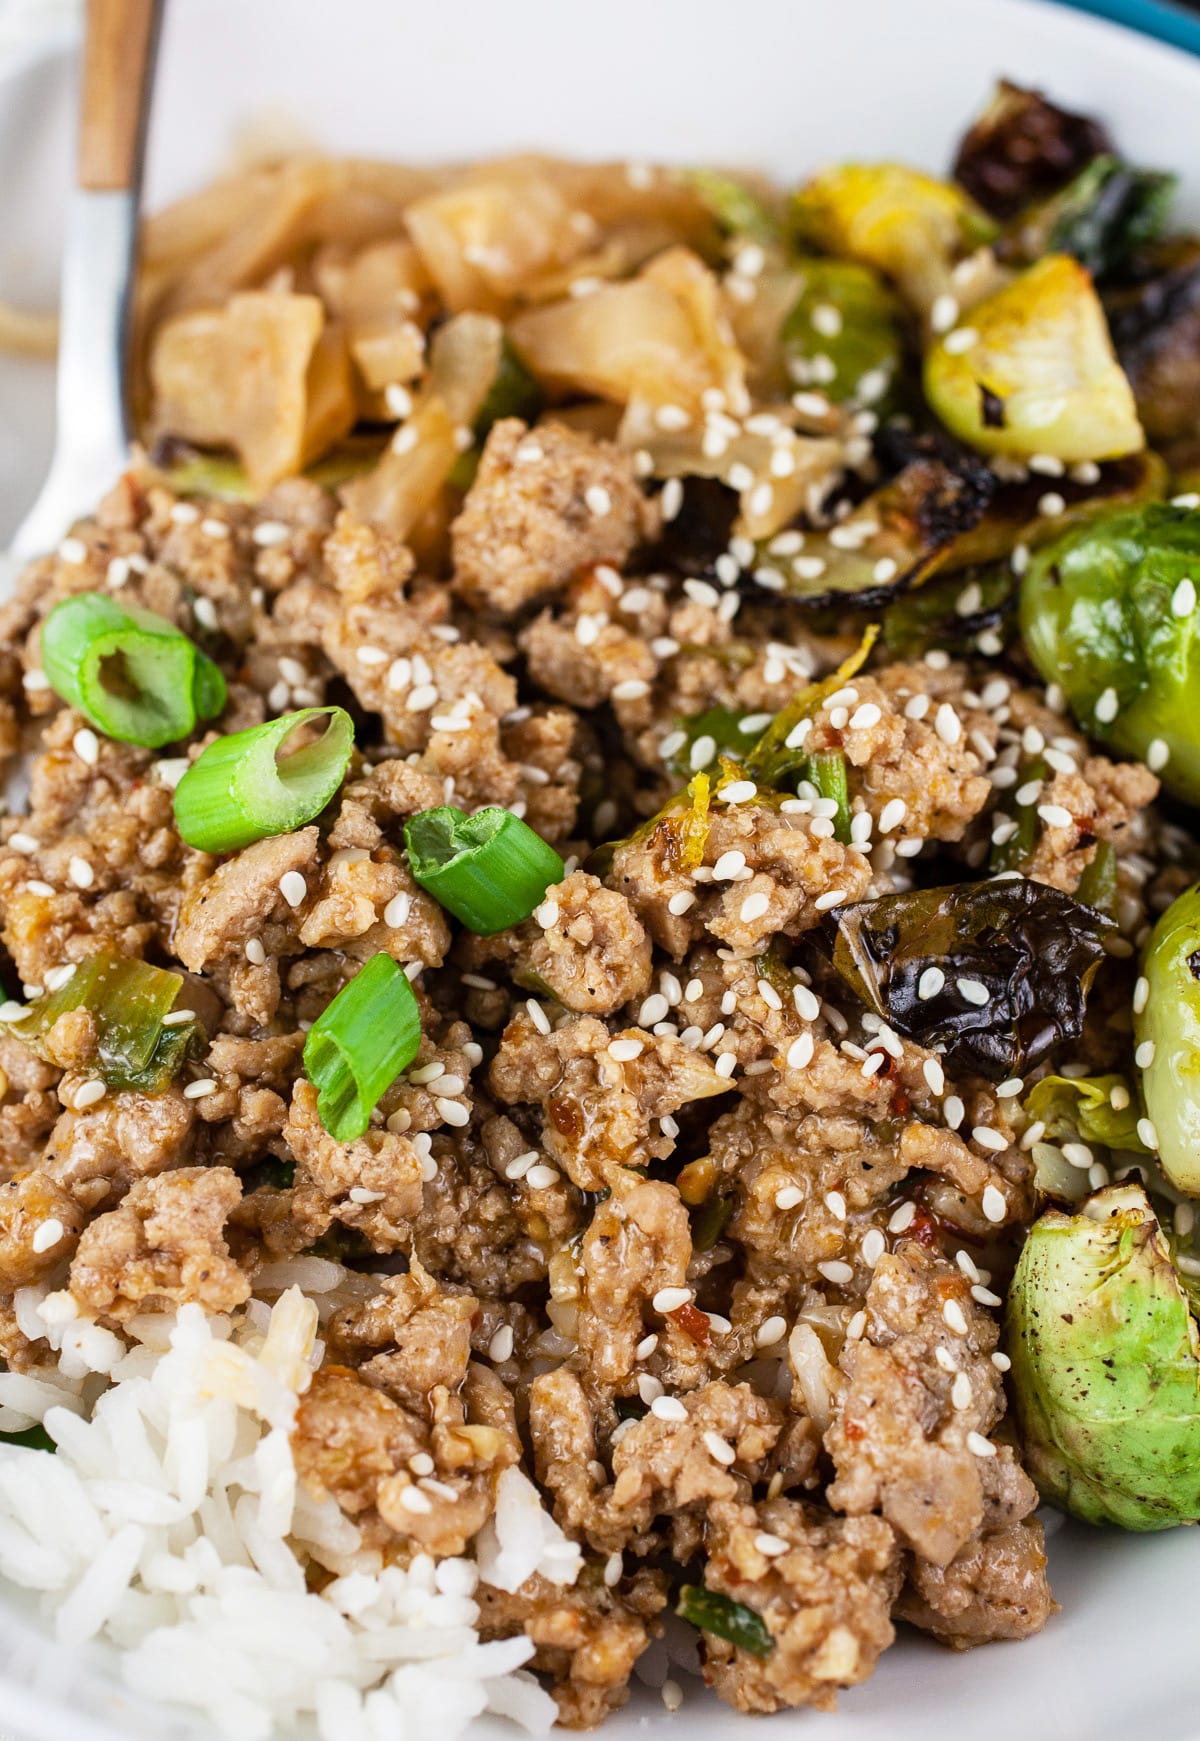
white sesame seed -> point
(989, 1138)
(89, 1093)
(624, 1051)
(1147, 1134)
(864, 717)
(1011, 1088)
(670, 1299)
(872, 1064)
(538, 1016)
(947, 724)
(963, 338)
(668, 1408)
(293, 887)
(754, 907)
(930, 983)
(1183, 599)
(1141, 994)
(1055, 816)
(1158, 755)
(174, 1018)
(520, 1164)
(836, 1205)
(892, 815)
(984, 1296)
(770, 1546)
(961, 1393)
(903, 1218)
(994, 1206)
(679, 904)
(830, 899)
(703, 751)
(973, 991)
(11, 1011)
(943, 314)
(36, 886)
(934, 1076)
(81, 873)
(719, 1449)
(1051, 504)
(1001, 1362)
(770, 1331)
(55, 978)
(980, 1446)
(671, 499)
(86, 745)
(501, 1345)
(48, 1235)
(800, 1052)
(73, 551)
(808, 1005)
(452, 1111)
(22, 842)
(873, 1247)
(788, 1196)
(953, 1111)
(197, 1090)
(632, 689)
(953, 1317)
(836, 1272)
(420, 698)
(205, 612)
(1143, 1057)
(738, 792)
(413, 1500)
(540, 1178)
(646, 1346)
(654, 1009)
(768, 994)
(671, 1694)
(725, 1064)
(35, 680)
(255, 953)
(269, 532)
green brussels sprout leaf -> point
(1169, 1022)
(1110, 612)
(1032, 371)
(1094, 1109)
(1106, 1365)
(843, 334)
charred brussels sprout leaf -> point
(895, 538)
(1170, 1019)
(1029, 948)
(725, 1618)
(1023, 148)
(1105, 215)
(843, 333)
(1105, 613)
(1106, 1365)
(1154, 317)
(949, 610)
(1033, 372)
(1095, 1109)
(700, 532)
(911, 227)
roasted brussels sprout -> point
(906, 225)
(1106, 1365)
(994, 974)
(843, 334)
(1023, 148)
(1154, 317)
(1033, 372)
(1110, 612)
(1106, 214)
(1167, 1030)
(1093, 1109)
(739, 210)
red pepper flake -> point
(852, 1429)
(692, 1322)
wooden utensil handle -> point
(118, 57)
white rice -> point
(171, 1523)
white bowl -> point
(784, 84)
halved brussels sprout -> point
(1169, 1023)
(1022, 148)
(1033, 372)
(1110, 613)
(1154, 317)
(1106, 1365)
(909, 226)
(843, 333)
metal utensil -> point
(91, 444)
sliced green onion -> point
(827, 771)
(725, 1618)
(128, 1001)
(240, 789)
(1098, 884)
(131, 674)
(490, 869)
(359, 1044)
